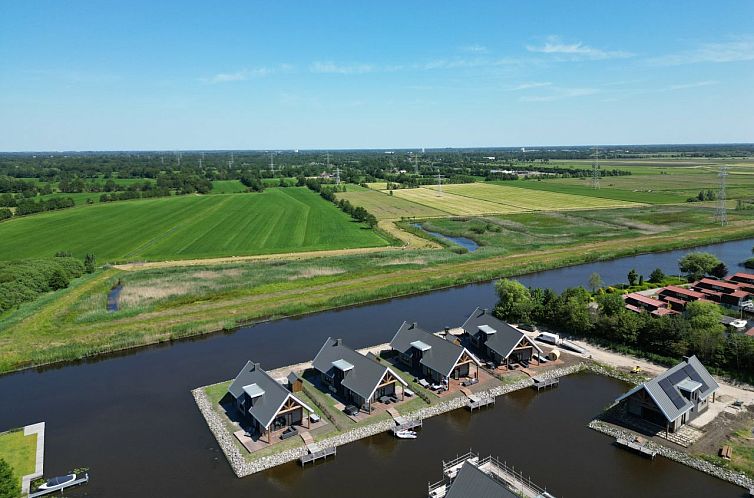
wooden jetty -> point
(479, 402)
(407, 425)
(401, 422)
(316, 455)
(75, 482)
(637, 446)
(540, 383)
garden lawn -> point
(189, 227)
(19, 451)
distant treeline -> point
(29, 206)
(697, 331)
(24, 280)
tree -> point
(58, 279)
(595, 281)
(633, 276)
(89, 263)
(698, 264)
(371, 220)
(10, 485)
(719, 271)
(707, 333)
(656, 276)
(515, 301)
(611, 304)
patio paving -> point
(253, 445)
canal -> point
(131, 417)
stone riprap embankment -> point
(679, 456)
(242, 467)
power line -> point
(721, 212)
(595, 169)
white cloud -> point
(528, 86)
(560, 94)
(246, 74)
(740, 48)
(695, 84)
(333, 68)
(575, 50)
(474, 48)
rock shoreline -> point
(694, 462)
(243, 468)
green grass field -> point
(584, 188)
(19, 451)
(385, 206)
(529, 200)
(186, 227)
(227, 187)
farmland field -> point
(385, 206)
(605, 191)
(518, 199)
(227, 187)
(275, 221)
(377, 185)
(453, 204)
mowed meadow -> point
(195, 226)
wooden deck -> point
(636, 446)
(540, 383)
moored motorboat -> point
(406, 434)
(57, 483)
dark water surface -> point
(131, 417)
(469, 244)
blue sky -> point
(134, 75)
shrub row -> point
(24, 280)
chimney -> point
(446, 332)
(484, 311)
(414, 325)
(338, 342)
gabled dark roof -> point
(366, 373)
(665, 389)
(472, 482)
(274, 395)
(505, 337)
(441, 356)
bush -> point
(23, 280)
(10, 485)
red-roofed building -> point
(745, 278)
(639, 302)
(722, 291)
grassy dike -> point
(51, 330)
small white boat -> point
(406, 434)
(57, 482)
